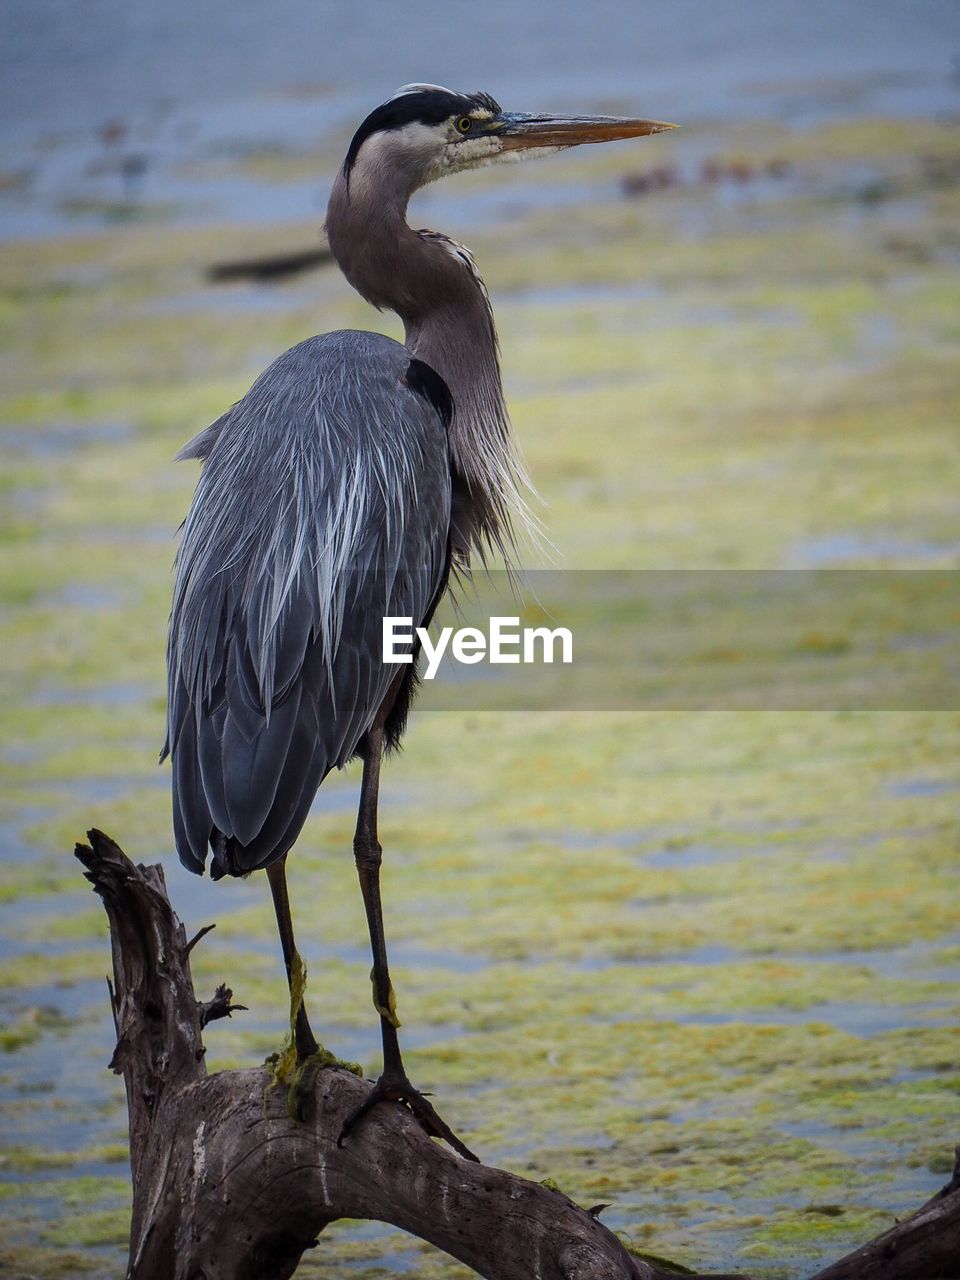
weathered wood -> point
(226, 1186)
(279, 266)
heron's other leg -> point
(393, 1085)
(303, 1037)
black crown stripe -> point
(428, 106)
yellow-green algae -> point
(699, 965)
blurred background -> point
(701, 965)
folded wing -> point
(324, 505)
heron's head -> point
(425, 132)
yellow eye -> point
(464, 124)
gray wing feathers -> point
(324, 504)
(202, 443)
(191, 816)
(252, 768)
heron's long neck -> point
(433, 285)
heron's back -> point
(323, 506)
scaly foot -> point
(395, 1087)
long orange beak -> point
(520, 131)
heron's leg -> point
(303, 1037)
(393, 1085)
(368, 854)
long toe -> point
(399, 1089)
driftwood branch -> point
(278, 266)
(226, 1186)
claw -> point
(399, 1089)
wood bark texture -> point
(227, 1186)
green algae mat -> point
(701, 965)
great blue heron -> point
(341, 489)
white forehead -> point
(418, 88)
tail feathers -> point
(224, 861)
(276, 838)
